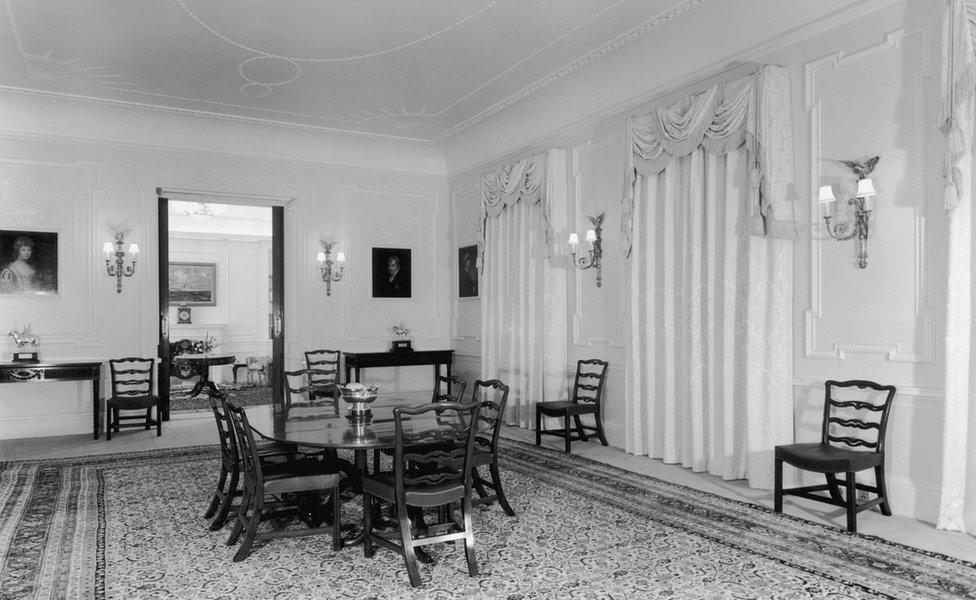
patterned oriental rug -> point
(129, 527)
(243, 394)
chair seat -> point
(382, 485)
(132, 403)
(300, 475)
(562, 406)
(824, 458)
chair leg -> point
(834, 489)
(479, 485)
(538, 426)
(851, 503)
(469, 538)
(579, 428)
(879, 478)
(368, 550)
(239, 518)
(778, 485)
(148, 418)
(108, 424)
(252, 530)
(566, 433)
(409, 556)
(496, 482)
(159, 422)
(336, 519)
(215, 502)
(224, 511)
(599, 428)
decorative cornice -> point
(620, 41)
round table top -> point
(325, 424)
(209, 359)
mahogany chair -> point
(132, 390)
(428, 471)
(587, 393)
(287, 483)
(453, 389)
(323, 371)
(852, 439)
(228, 481)
(492, 395)
(453, 383)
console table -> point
(363, 360)
(23, 372)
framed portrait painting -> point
(391, 273)
(193, 284)
(468, 272)
(28, 263)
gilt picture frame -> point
(193, 284)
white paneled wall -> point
(864, 82)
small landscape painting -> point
(193, 284)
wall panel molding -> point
(924, 314)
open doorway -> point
(220, 303)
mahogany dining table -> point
(328, 424)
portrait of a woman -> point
(27, 272)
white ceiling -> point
(409, 69)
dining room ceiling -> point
(419, 70)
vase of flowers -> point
(206, 345)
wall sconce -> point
(593, 237)
(117, 268)
(859, 227)
(325, 265)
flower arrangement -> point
(206, 345)
(400, 330)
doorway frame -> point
(277, 206)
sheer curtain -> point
(709, 367)
(523, 304)
(957, 510)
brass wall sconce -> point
(118, 268)
(593, 237)
(859, 226)
(326, 266)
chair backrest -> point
(132, 377)
(246, 445)
(257, 363)
(178, 347)
(456, 385)
(590, 377)
(225, 431)
(297, 388)
(422, 458)
(323, 367)
(492, 395)
(858, 422)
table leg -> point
(96, 404)
(357, 374)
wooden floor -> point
(196, 428)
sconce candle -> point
(117, 268)
(859, 226)
(594, 239)
(325, 265)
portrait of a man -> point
(28, 262)
(468, 272)
(391, 273)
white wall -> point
(864, 82)
(79, 168)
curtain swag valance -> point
(530, 179)
(748, 111)
(958, 88)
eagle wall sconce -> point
(859, 226)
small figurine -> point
(26, 344)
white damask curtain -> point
(957, 510)
(523, 303)
(709, 371)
